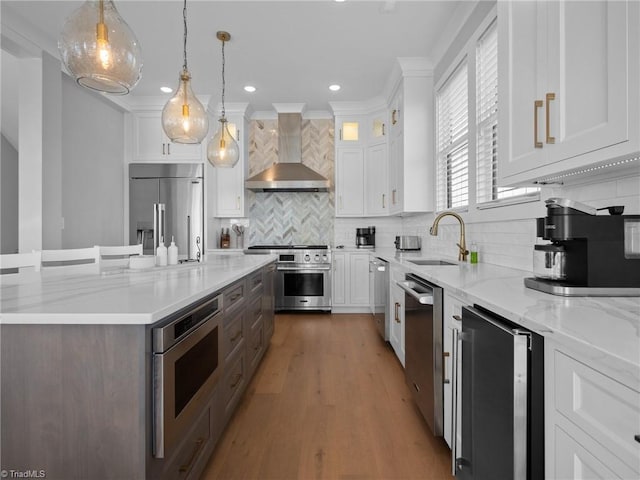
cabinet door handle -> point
(383, 195)
(163, 148)
(340, 134)
(394, 118)
(393, 196)
(238, 134)
(445, 355)
(396, 313)
(549, 97)
(168, 149)
(536, 105)
(383, 133)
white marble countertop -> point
(604, 329)
(117, 295)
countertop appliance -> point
(590, 255)
(366, 237)
(424, 360)
(302, 277)
(502, 399)
(167, 200)
(379, 295)
(187, 363)
(408, 242)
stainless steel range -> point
(303, 276)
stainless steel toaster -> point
(408, 242)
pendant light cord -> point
(223, 82)
(184, 52)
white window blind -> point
(452, 188)
(487, 122)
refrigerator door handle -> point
(521, 342)
(158, 224)
(188, 237)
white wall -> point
(92, 168)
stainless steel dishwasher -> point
(379, 295)
(423, 343)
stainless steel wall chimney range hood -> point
(289, 174)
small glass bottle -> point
(473, 258)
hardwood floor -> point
(328, 402)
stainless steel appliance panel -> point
(423, 349)
(179, 187)
(302, 288)
(184, 220)
(379, 295)
(502, 399)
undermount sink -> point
(430, 262)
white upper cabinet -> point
(411, 148)
(226, 189)
(350, 130)
(568, 86)
(151, 144)
(376, 180)
(349, 182)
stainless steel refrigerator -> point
(167, 200)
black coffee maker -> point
(589, 254)
(366, 237)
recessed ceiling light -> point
(338, 1)
(249, 88)
(166, 89)
(334, 87)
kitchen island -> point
(77, 366)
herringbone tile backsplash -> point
(292, 217)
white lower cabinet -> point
(350, 282)
(452, 349)
(396, 299)
(592, 419)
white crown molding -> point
(307, 115)
(359, 108)
(290, 107)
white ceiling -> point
(289, 50)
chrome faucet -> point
(462, 247)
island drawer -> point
(233, 382)
(190, 453)
(233, 296)
(605, 409)
(254, 312)
(234, 333)
(255, 283)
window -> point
(452, 174)
(487, 189)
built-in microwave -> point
(187, 363)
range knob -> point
(307, 257)
(324, 258)
(317, 258)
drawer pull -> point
(235, 297)
(186, 467)
(236, 380)
(457, 317)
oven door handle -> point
(422, 298)
(305, 269)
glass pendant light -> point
(99, 49)
(184, 118)
(223, 150)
